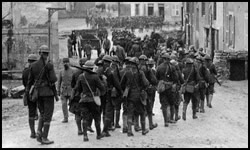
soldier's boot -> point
(198, 105)
(98, 130)
(79, 126)
(117, 119)
(39, 130)
(165, 117)
(105, 131)
(151, 124)
(32, 128)
(210, 100)
(184, 111)
(172, 110)
(111, 126)
(194, 114)
(202, 110)
(136, 123)
(177, 117)
(125, 123)
(130, 133)
(45, 139)
(85, 129)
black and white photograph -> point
(124, 74)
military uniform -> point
(87, 104)
(87, 49)
(136, 50)
(32, 106)
(193, 80)
(135, 81)
(45, 94)
(167, 73)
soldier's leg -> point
(197, 95)
(95, 111)
(40, 105)
(90, 120)
(153, 101)
(131, 109)
(136, 122)
(187, 97)
(202, 99)
(125, 118)
(117, 112)
(48, 113)
(211, 91)
(108, 117)
(194, 105)
(103, 107)
(85, 113)
(150, 113)
(32, 114)
(143, 123)
(164, 108)
(64, 109)
(78, 119)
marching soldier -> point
(87, 50)
(32, 106)
(86, 83)
(136, 81)
(106, 45)
(192, 78)
(112, 82)
(46, 93)
(212, 80)
(204, 75)
(136, 49)
(151, 64)
(150, 90)
(167, 73)
(64, 87)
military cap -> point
(207, 57)
(107, 58)
(65, 60)
(44, 48)
(173, 56)
(151, 62)
(143, 57)
(199, 58)
(134, 60)
(83, 60)
(89, 64)
(32, 57)
(166, 55)
(189, 61)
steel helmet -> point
(173, 56)
(107, 58)
(44, 48)
(83, 60)
(32, 57)
(134, 60)
(166, 55)
(143, 57)
(189, 61)
(89, 64)
(207, 57)
(115, 58)
(151, 62)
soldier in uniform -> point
(99, 58)
(136, 81)
(151, 64)
(167, 73)
(136, 49)
(112, 82)
(69, 44)
(212, 75)
(32, 106)
(87, 105)
(150, 90)
(106, 45)
(204, 75)
(87, 50)
(64, 87)
(45, 92)
(192, 76)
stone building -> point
(221, 28)
(30, 31)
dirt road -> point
(224, 125)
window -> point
(175, 10)
(150, 9)
(206, 30)
(246, 31)
(203, 8)
(197, 19)
(215, 10)
(136, 9)
(188, 5)
(231, 30)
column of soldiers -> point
(129, 82)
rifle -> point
(51, 85)
(217, 81)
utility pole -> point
(50, 13)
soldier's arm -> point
(52, 74)
(23, 80)
(31, 79)
(100, 85)
(144, 80)
(116, 83)
(73, 81)
(153, 78)
(213, 70)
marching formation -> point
(123, 81)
